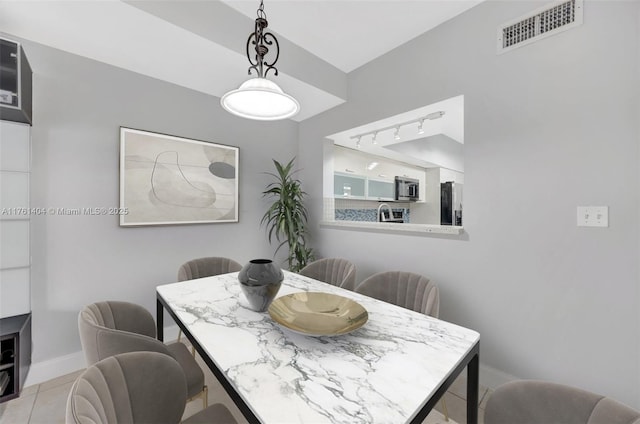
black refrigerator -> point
(450, 203)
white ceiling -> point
(200, 44)
(350, 33)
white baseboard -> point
(39, 372)
(491, 378)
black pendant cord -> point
(260, 41)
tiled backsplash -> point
(358, 210)
(356, 215)
(328, 210)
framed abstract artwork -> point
(167, 180)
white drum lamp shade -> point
(260, 99)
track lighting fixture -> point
(396, 127)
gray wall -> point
(548, 127)
(79, 106)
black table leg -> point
(473, 381)
(159, 320)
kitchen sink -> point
(400, 221)
(390, 215)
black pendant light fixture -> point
(259, 98)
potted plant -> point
(286, 218)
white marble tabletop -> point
(383, 372)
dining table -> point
(392, 370)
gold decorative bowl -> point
(318, 314)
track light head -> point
(435, 115)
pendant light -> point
(259, 98)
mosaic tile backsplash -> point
(359, 210)
(355, 215)
(365, 214)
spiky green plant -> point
(286, 218)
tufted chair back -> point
(111, 327)
(135, 387)
(406, 289)
(207, 267)
(542, 402)
(335, 271)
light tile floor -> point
(45, 403)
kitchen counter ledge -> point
(397, 228)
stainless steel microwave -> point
(407, 189)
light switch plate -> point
(593, 216)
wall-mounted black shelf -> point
(15, 83)
(15, 353)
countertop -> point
(394, 227)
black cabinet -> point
(15, 351)
(15, 83)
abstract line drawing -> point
(181, 191)
(168, 180)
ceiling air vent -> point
(541, 23)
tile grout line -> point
(33, 405)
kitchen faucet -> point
(381, 217)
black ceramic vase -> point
(260, 281)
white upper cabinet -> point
(379, 172)
(349, 186)
(15, 149)
(380, 189)
(15, 252)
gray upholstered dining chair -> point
(405, 289)
(113, 327)
(542, 402)
(136, 387)
(207, 267)
(335, 271)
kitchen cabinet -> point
(15, 354)
(378, 180)
(360, 187)
(348, 186)
(15, 222)
(380, 190)
(15, 83)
